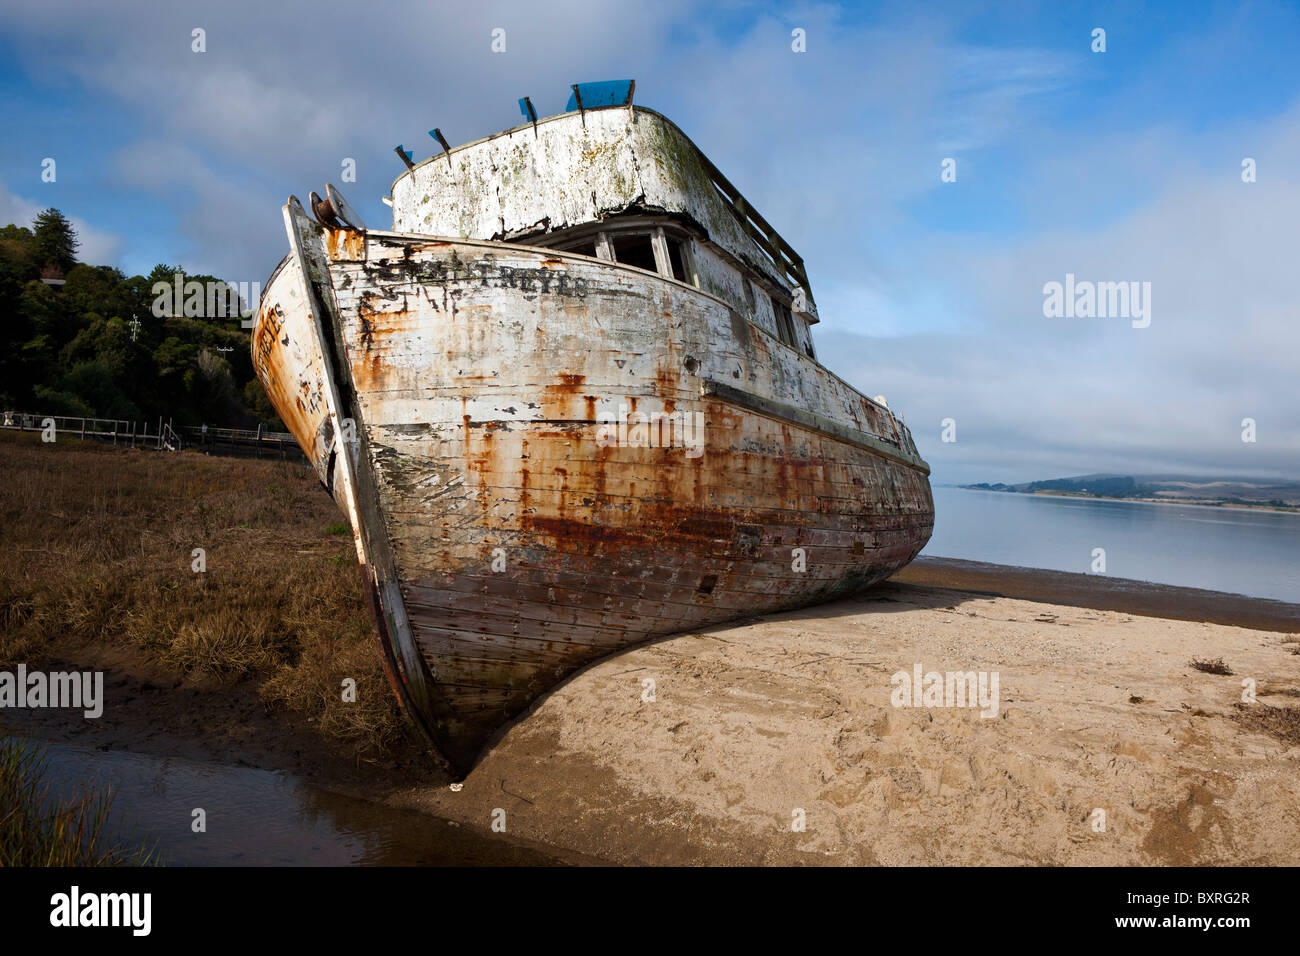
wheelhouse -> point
(616, 182)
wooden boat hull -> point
(474, 407)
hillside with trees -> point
(83, 340)
(1280, 494)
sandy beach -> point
(1100, 710)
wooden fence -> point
(257, 443)
(243, 442)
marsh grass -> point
(96, 548)
(38, 830)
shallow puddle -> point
(258, 818)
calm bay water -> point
(1222, 549)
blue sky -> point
(1122, 165)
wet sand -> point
(751, 728)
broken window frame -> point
(663, 238)
(784, 321)
(639, 236)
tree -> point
(257, 401)
(54, 241)
(93, 345)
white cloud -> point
(1031, 393)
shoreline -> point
(1103, 593)
(1201, 503)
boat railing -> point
(782, 254)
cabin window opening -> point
(677, 259)
(587, 248)
(749, 296)
(635, 250)
(784, 324)
(808, 349)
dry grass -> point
(96, 546)
(1215, 666)
(1282, 723)
(37, 830)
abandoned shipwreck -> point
(571, 403)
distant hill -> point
(1219, 491)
